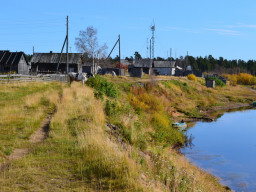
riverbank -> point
(114, 136)
(144, 109)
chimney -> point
(50, 51)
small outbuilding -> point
(13, 61)
(210, 83)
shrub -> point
(103, 86)
(192, 77)
(232, 78)
(164, 134)
(245, 79)
(99, 94)
(145, 102)
(111, 108)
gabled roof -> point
(164, 64)
(73, 58)
(147, 63)
(11, 58)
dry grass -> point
(80, 155)
(77, 156)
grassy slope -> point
(81, 154)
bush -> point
(98, 94)
(232, 78)
(242, 79)
(192, 77)
(111, 108)
(145, 102)
(102, 86)
(164, 134)
(245, 79)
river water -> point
(227, 149)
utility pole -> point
(119, 56)
(67, 47)
(33, 50)
(171, 53)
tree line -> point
(221, 65)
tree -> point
(87, 43)
(137, 56)
(160, 59)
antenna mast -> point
(153, 28)
(147, 47)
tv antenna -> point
(147, 47)
(153, 28)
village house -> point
(164, 67)
(139, 67)
(13, 61)
(49, 62)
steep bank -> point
(143, 110)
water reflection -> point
(226, 148)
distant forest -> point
(220, 65)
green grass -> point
(23, 107)
(82, 154)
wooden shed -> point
(210, 83)
(13, 61)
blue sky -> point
(221, 27)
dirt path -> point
(38, 136)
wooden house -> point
(164, 67)
(54, 62)
(13, 61)
(143, 64)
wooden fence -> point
(30, 78)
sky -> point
(224, 28)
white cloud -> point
(179, 29)
(241, 25)
(223, 31)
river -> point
(227, 149)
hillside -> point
(112, 135)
